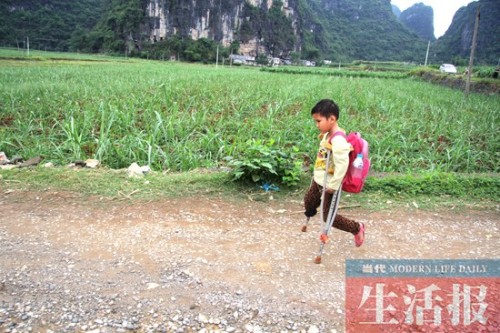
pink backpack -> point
(354, 179)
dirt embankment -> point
(459, 82)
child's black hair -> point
(326, 108)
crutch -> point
(332, 212)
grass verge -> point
(388, 191)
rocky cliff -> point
(329, 29)
(279, 27)
(219, 20)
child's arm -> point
(340, 156)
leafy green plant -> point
(484, 72)
(265, 162)
(74, 137)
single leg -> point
(348, 225)
(312, 200)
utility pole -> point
(28, 45)
(222, 39)
(217, 57)
(473, 49)
(427, 54)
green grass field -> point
(179, 116)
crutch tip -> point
(317, 260)
(304, 228)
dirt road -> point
(70, 263)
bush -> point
(266, 163)
(484, 72)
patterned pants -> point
(312, 200)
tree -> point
(49, 24)
(261, 59)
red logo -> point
(422, 295)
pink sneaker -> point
(359, 238)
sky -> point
(443, 11)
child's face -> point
(324, 124)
